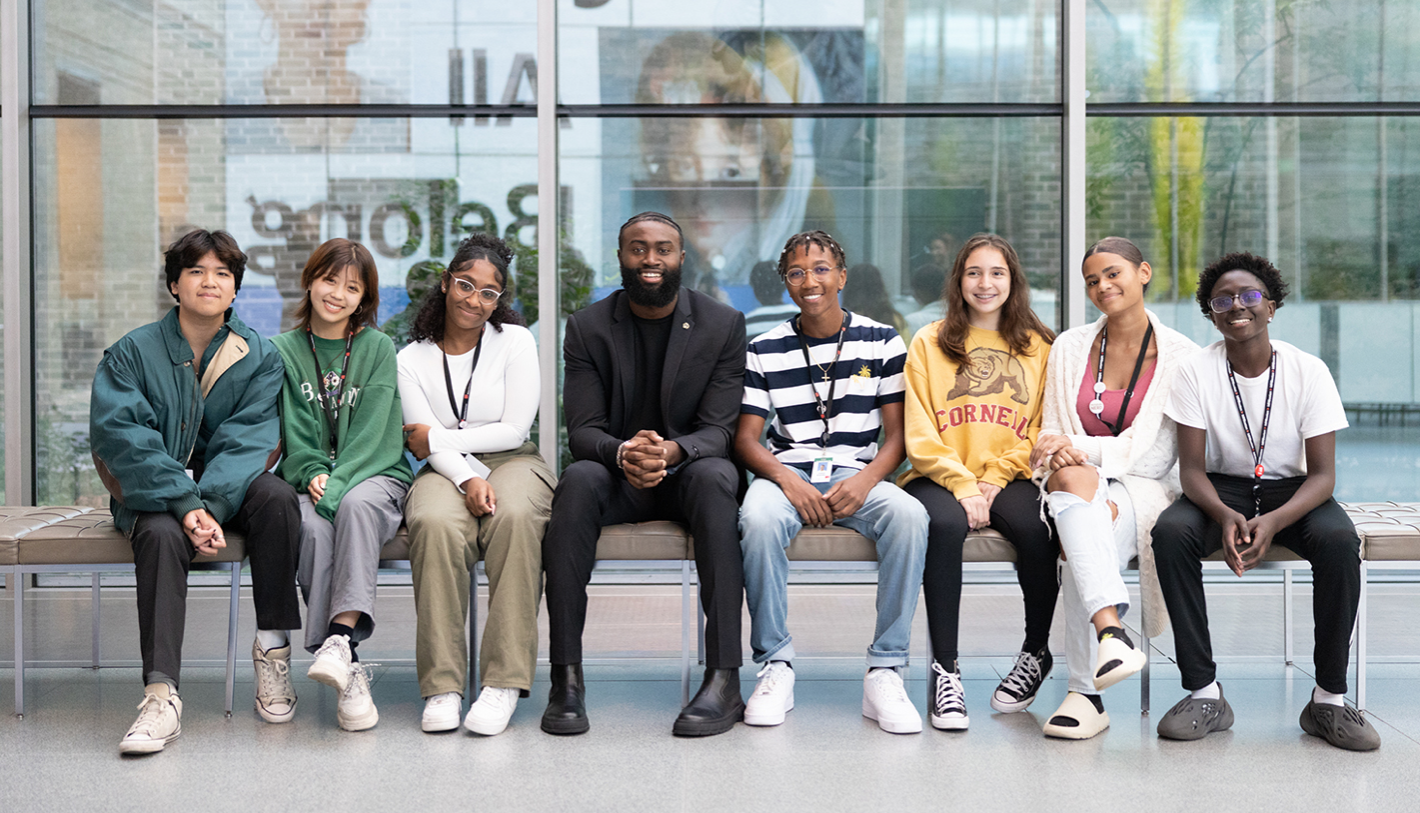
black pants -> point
(1015, 513)
(1184, 535)
(270, 521)
(588, 496)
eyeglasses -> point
(797, 276)
(1249, 299)
(464, 288)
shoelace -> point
(950, 696)
(274, 671)
(768, 678)
(331, 644)
(889, 683)
(359, 680)
(498, 697)
(150, 713)
(445, 699)
(1024, 675)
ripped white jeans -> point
(1096, 549)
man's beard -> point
(657, 297)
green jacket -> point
(151, 417)
(370, 430)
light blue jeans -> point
(894, 520)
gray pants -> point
(339, 560)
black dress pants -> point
(270, 521)
(702, 493)
(1325, 536)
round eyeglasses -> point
(1249, 299)
(465, 289)
(797, 276)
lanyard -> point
(449, 383)
(1097, 405)
(825, 411)
(1261, 443)
(332, 389)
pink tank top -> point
(1112, 399)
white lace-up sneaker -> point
(885, 700)
(773, 695)
(159, 721)
(275, 697)
(332, 663)
(490, 714)
(355, 711)
(441, 712)
(948, 700)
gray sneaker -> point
(1342, 726)
(1195, 718)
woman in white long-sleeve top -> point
(470, 387)
(1108, 455)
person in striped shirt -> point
(827, 382)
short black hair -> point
(190, 248)
(652, 216)
(1240, 261)
(764, 279)
(804, 239)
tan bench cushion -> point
(17, 522)
(639, 541)
(88, 537)
(1391, 531)
(836, 544)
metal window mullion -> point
(1072, 155)
(15, 257)
(548, 226)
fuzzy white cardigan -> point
(1144, 457)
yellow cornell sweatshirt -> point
(976, 423)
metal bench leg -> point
(685, 633)
(1287, 615)
(475, 635)
(17, 587)
(1144, 673)
(1361, 640)
(232, 610)
(94, 604)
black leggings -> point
(1015, 513)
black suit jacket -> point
(701, 387)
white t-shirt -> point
(1305, 404)
(501, 406)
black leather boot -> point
(715, 708)
(566, 705)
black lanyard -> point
(449, 383)
(1097, 405)
(825, 411)
(1261, 443)
(331, 391)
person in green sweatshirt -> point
(344, 454)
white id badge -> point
(823, 470)
(188, 472)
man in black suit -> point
(654, 378)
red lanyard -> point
(1260, 444)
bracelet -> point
(621, 455)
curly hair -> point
(428, 324)
(1017, 322)
(817, 237)
(1257, 266)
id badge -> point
(823, 470)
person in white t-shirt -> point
(1257, 421)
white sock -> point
(271, 639)
(1209, 692)
(1320, 695)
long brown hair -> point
(1018, 321)
(329, 259)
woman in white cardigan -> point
(1107, 459)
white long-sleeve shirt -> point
(502, 403)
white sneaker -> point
(355, 711)
(490, 714)
(885, 700)
(441, 712)
(948, 699)
(275, 697)
(159, 721)
(773, 695)
(332, 663)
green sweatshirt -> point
(369, 432)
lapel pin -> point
(685, 325)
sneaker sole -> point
(438, 726)
(950, 723)
(335, 678)
(905, 726)
(272, 717)
(362, 723)
(1010, 706)
(147, 746)
(768, 718)
(485, 728)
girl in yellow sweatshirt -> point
(975, 382)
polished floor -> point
(63, 755)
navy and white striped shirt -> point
(868, 374)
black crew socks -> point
(348, 632)
(1117, 632)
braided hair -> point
(817, 237)
(429, 322)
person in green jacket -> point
(182, 422)
(344, 454)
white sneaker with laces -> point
(773, 695)
(490, 714)
(275, 697)
(332, 663)
(441, 712)
(355, 711)
(948, 700)
(885, 700)
(159, 721)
